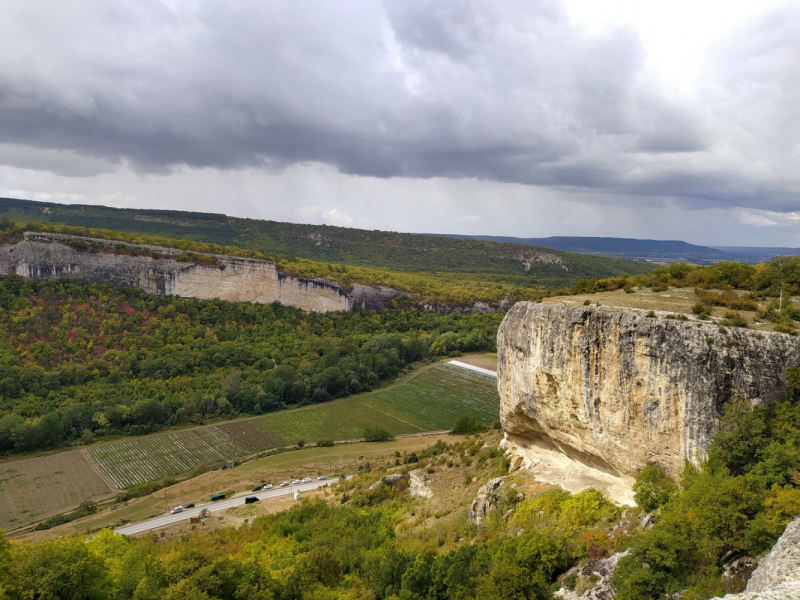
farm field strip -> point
(35, 488)
(132, 461)
(432, 401)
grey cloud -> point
(509, 92)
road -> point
(220, 505)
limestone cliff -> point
(618, 390)
(47, 255)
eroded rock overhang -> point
(616, 390)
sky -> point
(661, 119)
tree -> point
(742, 437)
(652, 489)
(377, 434)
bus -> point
(216, 497)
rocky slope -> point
(617, 390)
(48, 255)
(777, 576)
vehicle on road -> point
(296, 481)
(177, 509)
(216, 497)
(256, 489)
(307, 480)
(284, 484)
(268, 486)
(321, 478)
(251, 499)
(190, 505)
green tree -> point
(652, 489)
(742, 437)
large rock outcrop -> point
(49, 255)
(617, 390)
(777, 576)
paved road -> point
(220, 505)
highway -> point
(220, 505)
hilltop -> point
(495, 262)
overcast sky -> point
(669, 120)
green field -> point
(131, 461)
(431, 401)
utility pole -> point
(780, 302)
(165, 500)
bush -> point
(377, 434)
(652, 489)
(325, 443)
(467, 424)
(734, 319)
(701, 310)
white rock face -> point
(47, 255)
(777, 576)
(616, 390)
(417, 486)
(486, 500)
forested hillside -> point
(80, 360)
(396, 252)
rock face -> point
(591, 579)
(777, 576)
(47, 256)
(617, 390)
(485, 501)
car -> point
(306, 479)
(190, 505)
(251, 499)
(284, 484)
(256, 489)
(177, 509)
(321, 478)
(268, 486)
(296, 481)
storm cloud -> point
(510, 91)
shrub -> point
(701, 310)
(325, 443)
(652, 489)
(377, 434)
(467, 424)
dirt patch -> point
(479, 361)
(33, 489)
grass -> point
(431, 401)
(674, 300)
(32, 489)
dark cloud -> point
(509, 92)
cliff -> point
(47, 255)
(616, 390)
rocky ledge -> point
(616, 390)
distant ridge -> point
(630, 248)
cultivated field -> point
(33, 489)
(431, 401)
(135, 460)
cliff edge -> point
(616, 390)
(51, 256)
